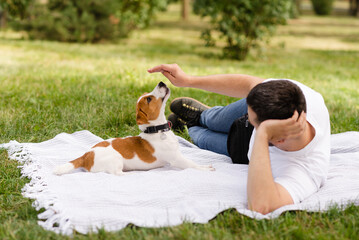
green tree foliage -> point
(15, 8)
(242, 23)
(322, 7)
(88, 20)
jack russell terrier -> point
(154, 147)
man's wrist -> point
(262, 132)
(191, 81)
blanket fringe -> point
(37, 189)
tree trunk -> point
(351, 7)
(185, 9)
(354, 8)
(3, 20)
(298, 4)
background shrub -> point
(88, 20)
(242, 23)
(322, 7)
(12, 9)
(15, 8)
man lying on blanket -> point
(289, 147)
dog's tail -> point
(63, 169)
(86, 161)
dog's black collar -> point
(155, 129)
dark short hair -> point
(276, 99)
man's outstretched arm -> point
(234, 85)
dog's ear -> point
(141, 117)
(144, 94)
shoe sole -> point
(192, 99)
(179, 127)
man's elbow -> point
(265, 207)
(260, 207)
(266, 203)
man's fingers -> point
(158, 68)
(168, 72)
(168, 75)
(161, 68)
(297, 119)
(295, 125)
(287, 128)
(300, 124)
(303, 117)
(295, 115)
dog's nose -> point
(161, 84)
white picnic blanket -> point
(166, 196)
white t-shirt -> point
(303, 172)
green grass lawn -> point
(49, 87)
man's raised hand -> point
(173, 73)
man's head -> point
(275, 100)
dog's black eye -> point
(149, 99)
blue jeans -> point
(214, 126)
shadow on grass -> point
(348, 37)
(300, 22)
(181, 25)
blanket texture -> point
(166, 196)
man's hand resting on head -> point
(280, 130)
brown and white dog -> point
(154, 147)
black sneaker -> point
(188, 109)
(177, 123)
